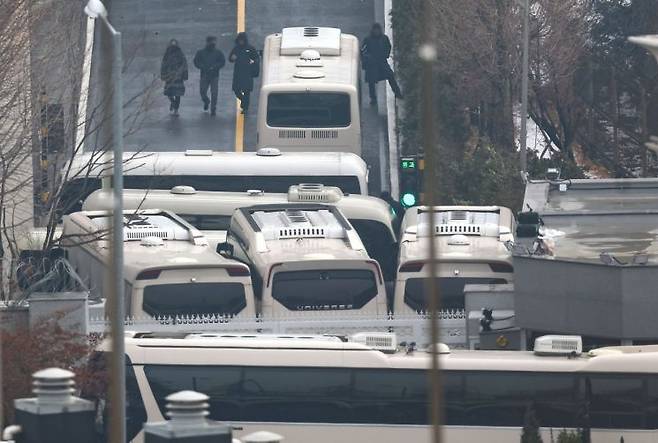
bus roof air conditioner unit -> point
(314, 192)
(559, 345)
(380, 341)
(326, 41)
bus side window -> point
(301, 395)
(617, 401)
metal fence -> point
(410, 328)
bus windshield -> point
(320, 290)
(308, 110)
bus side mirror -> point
(225, 249)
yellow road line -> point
(239, 118)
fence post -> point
(55, 415)
(188, 411)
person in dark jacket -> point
(247, 66)
(209, 61)
(375, 51)
(394, 204)
(173, 71)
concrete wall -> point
(586, 299)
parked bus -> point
(309, 97)
(324, 390)
(470, 244)
(305, 258)
(211, 211)
(268, 170)
(169, 268)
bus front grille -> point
(292, 133)
(324, 133)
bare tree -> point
(45, 59)
(559, 40)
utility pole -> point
(524, 88)
(427, 54)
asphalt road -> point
(148, 25)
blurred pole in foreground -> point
(427, 54)
(115, 299)
(524, 89)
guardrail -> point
(408, 327)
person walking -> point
(209, 61)
(247, 66)
(173, 71)
(375, 51)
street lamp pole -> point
(115, 299)
(524, 89)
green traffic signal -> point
(408, 164)
(408, 200)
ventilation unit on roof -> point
(293, 224)
(306, 231)
(381, 341)
(326, 41)
(559, 345)
(311, 31)
(296, 217)
(183, 190)
(310, 55)
(142, 226)
(268, 152)
(310, 58)
(314, 192)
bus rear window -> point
(194, 298)
(308, 110)
(324, 290)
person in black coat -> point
(173, 71)
(375, 51)
(209, 61)
(247, 66)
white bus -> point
(309, 97)
(323, 390)
(169, 268)
(268, 170)
(470, 244)
(211, 211)
(305, 258)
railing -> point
(408, 327)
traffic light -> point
(409, 181)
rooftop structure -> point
(597, 273)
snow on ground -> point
(535, 140)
